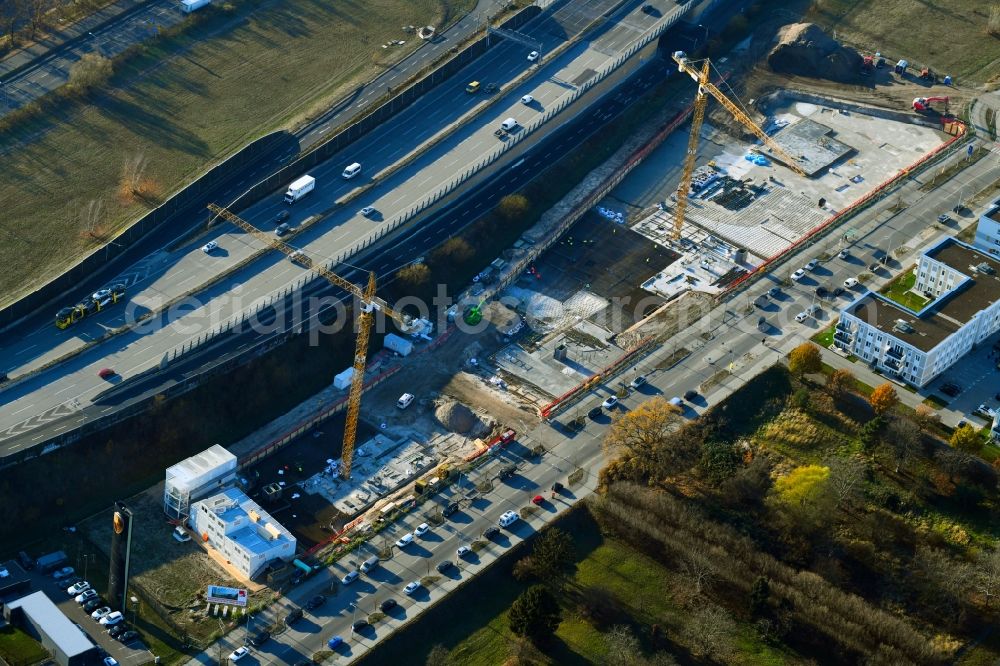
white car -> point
(801, 317)
(405, 400)
(208, 247)
(533, 56)
(610, 402)
(77, 588)
(527, 100)
(113, 618)
(368, 211)
(239, 653)
(100, 612)
(349, 578)
(180, 535)
(405, 540)
(508, 518)
(844, 254)
(411, 588)
(850, 283)
(86, 596)
(811, 266)
(421, 529)
(110, 661)
(799, 274)
(463, 551)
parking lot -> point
(977, 376)
(134, 652)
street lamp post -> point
(135, 607)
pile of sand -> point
(804, 49)
(457, 417)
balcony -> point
(894, 353)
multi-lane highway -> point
(734, 342)
(161, 278)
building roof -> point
(194, 471)
(256, 531)
(12, 578)
(948, 313)
(53, 623)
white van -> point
(369, 564)
(508, 518)
(351, 171)
(405, 400)
(508, 125)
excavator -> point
(923, 104)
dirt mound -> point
(804, 49)
(456, 417)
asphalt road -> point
(65, 389)
(734, 343)
(418, 240)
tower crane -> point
(706, 88)
(370, 304)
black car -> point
(595, 412)
(838, 291)
(293, 615)
(451, 508)
(387, 605)
(281, 217)
(691, 395)
(359, 625)
(128, 636)
(26, 562)
(507, 471)
(316, 602)
(950, 390)
(444, 566)
(822, 292)
(282, 229)
(117, 630)
(491, 532)
(649, 9)
(260, 638)
(774, 292)
(93, 605)
(557, 487)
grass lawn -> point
(913, 29)
(188, 102)
(899, 291)
(825, 337)
(17, 647)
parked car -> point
(450, 509)
(105, 373)
(638, 381)
(86, 596)
(527, 100)
(610, 402)
(691, 395)
(422, 529)
(850, 283)
(101, 612)
(463, 551)
(359, 625)
(811, 266)
(405, 540)
(209, 247)
(537, 500)
(110, 661)
(112, 618)
(444, 565)
(260, 638)
(127, 637)
(490, 532)
(411, 588)
(316, 602)
(595, 412)
(27, 562)
(557, 487)
(77, 588)
(798, 275)
(822, 291)
(368, 211)
(334, 642)
(838, 292)
(844, 254)
(349, 578)
(117, 630)
(239, 653)
(944, 218)
(93, 605)
(533, 56)
(387, 605)
(774, 292)
(180, 534)
(508, 518)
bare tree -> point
(624, 648)
(710, 631)
(902, 440)
(91, 216)
(133, 171)
(952, 461)
(846, 475)
(941, 582)
(699, 570)
(987, 577)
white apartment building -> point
(239, 529)
(988, 231)
(963, 284)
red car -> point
(106, 373)
(507, 437)
(538, 499)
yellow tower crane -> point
(370, 304)
(706, 88)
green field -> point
(949, 36)
(17, 647)
(183, 105)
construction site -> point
(705, 209)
